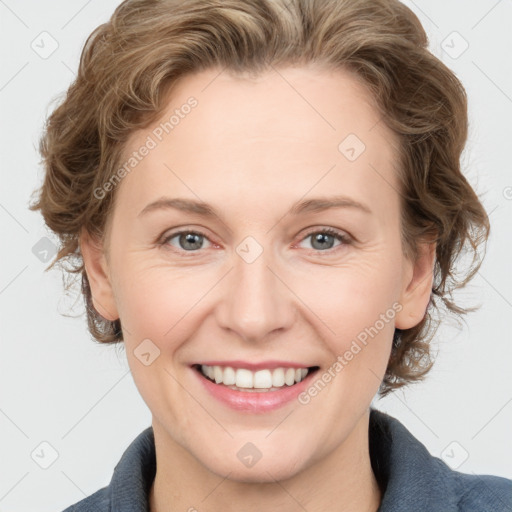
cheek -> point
(164, 304)
(357, 304)
(352, 296)
(158, 309)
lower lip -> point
(253, 401)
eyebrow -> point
(203, 209)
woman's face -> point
(252, 269)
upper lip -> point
(256, 366)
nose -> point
(255, 303)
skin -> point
(252, 148)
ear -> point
(96, 268)
(416, 286)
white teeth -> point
(229, 377)
(278, 378)
(208, 371)
(244, 378)
(261, 379)
(217, 374)
(289, 376)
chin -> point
(261, 472)
(256, 463)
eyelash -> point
(342, 237)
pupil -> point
(322, 238)
(189, 239)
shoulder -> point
(414, 479)
(131, 480)
(482, 492)
(97, 502)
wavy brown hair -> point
(129, 65)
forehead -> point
(283, 130)
(311, 103)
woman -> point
(265, 202)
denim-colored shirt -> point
(411, 479)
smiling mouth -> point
(242, 379)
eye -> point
(322, 240)
(187, 240)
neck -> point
(343, 481)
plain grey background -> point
(69, 407)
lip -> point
(272, 364)
(254, 401)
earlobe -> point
(417, 287)
(96, 268)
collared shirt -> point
(412, 480)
